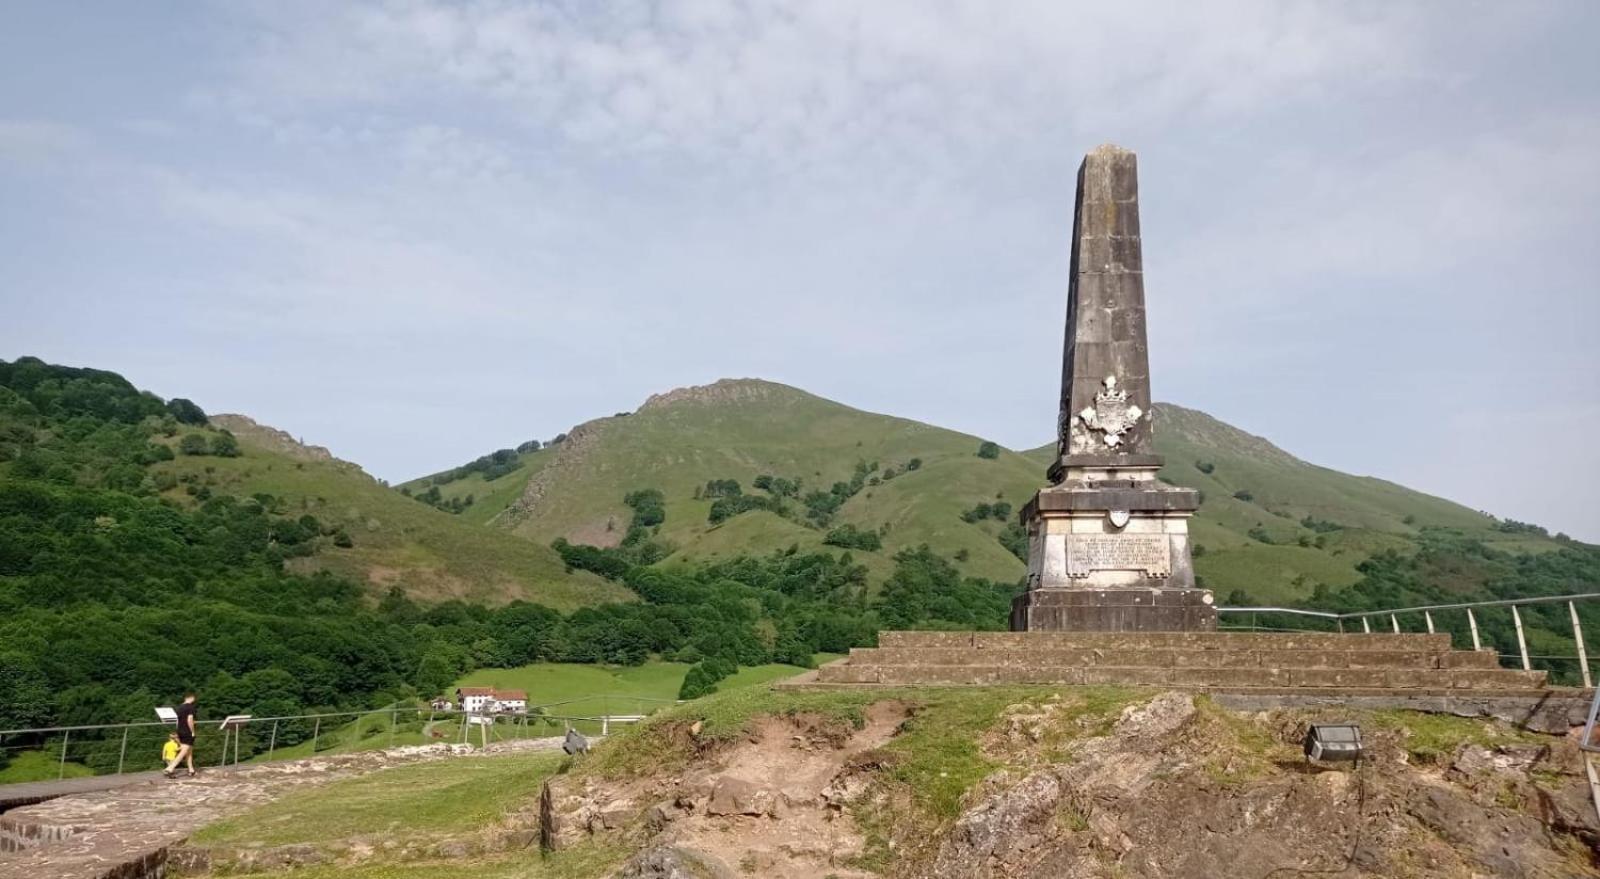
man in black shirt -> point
(186, 727)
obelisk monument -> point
(1108, 545)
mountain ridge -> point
(1272, 525)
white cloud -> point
(789, 83)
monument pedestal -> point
(1109, 552)
(1085, 609)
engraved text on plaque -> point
(1150, 553)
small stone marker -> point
(1108, 545)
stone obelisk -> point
(1108, 545)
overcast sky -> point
(415, 232)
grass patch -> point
(614, 689)
(27, 766)
(1435, 737)
(587, 861)
(1244, 752)
(441, 797)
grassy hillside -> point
(615, 689)
(1270, 525)
(396, 541)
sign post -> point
(233, 723)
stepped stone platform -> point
(1248, 670)
(1180, 659)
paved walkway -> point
(28, 793)
(125, 831)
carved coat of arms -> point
(1111, 413)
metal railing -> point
(117, 748)
(1427, 613)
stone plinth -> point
(1113, 610)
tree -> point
(223, 445)
(914, 464)
(988, 450)
(24, 693)
(193, 444)
(186, 412)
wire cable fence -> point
(58, 752)
(1545, 633)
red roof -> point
(474, 691)
(515, 695)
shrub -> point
(851, 537)
(1205, 467)
(988, 450)
(1244, 494)
(1015, 539)
(649, 507)
(193, 444)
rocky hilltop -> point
(1074, 783)
(281, 441)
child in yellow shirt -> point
(169, 751)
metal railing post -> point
(66, 738)
(316, 730)
(1394, 622)
(123, 754)
(1577, 637)
(1522, 641)
(1365, 626)
(1427, 617)
(272, 743)
(394, 718)
(1472, 621)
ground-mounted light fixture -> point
(1334, 743)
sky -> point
(415, 232)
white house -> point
(475, 700)
(511, 701)
(487, 700)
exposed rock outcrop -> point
(254, 433)
(1170, 786)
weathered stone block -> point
(1469, 659)
(1228, 677)
(1501, 678)
(1133, 677)
(848, 674)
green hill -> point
(1271, 525)
(430, 554)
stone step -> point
(1175, 657)
(1334, 678)
(1156, 640)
